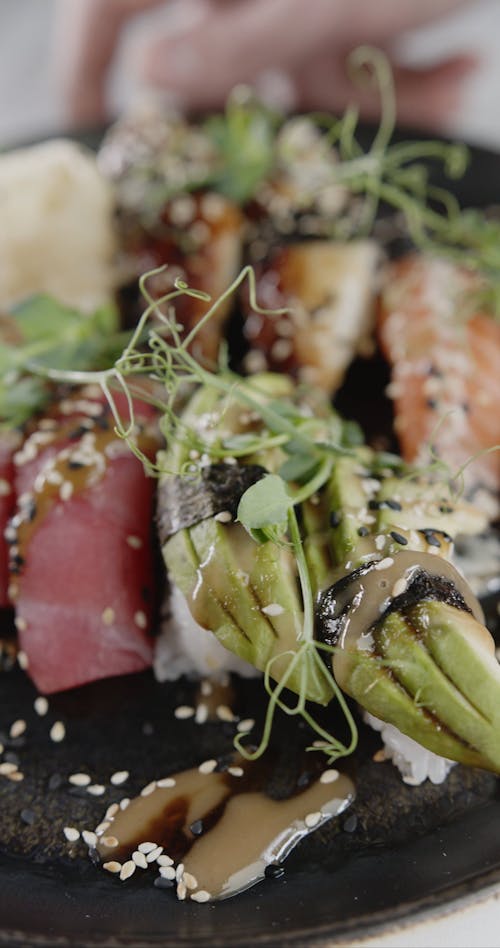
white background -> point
(29, 106)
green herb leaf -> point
(265, 504)
(299, 467)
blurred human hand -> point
(227, 42)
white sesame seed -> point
(15, 776)
(5, 487)
(273, 609)
(154, 855)
(167, 872)
(399, 587)
(201, 896)
(146, 847)
(17, 729)
(206, 688)
(102, 827)
(207, 767)
(79, 780)
(57, 732)
(166, 782)
(148, 789)
(224, 713)
(179, 872)
(201, 713)
(329, 776)
(7, 768)
(41, 705)
(385, 563)
(312, 819)
(108, 615)
(245, 726)
(183, 712)
(89, 838)
(112, 866)
(111, 812)
(139, 859)
(66, 490)
(134, 542)
(190, 881)
(141, 619)
(96, 789)
(124, 803)
(127, 870)
(21, 626)
(181, 891)
(71, 834)
(110, 842)
(235, 771)
(224, 516)
(164, 861)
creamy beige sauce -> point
(220, 826)
(368, 596)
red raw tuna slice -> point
(9, 441)
(84, 564)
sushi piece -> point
(329, 289)
(81, 554)
(444, 367)
(405, 631)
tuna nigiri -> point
(82, 570)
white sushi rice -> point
(414, 762)
(185, 648)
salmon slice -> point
(82, 561)
(9, 442)
(445, 367)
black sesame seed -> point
(75, 465)
(161, 883)
(55, 782)
(273, 871)
(304, 779)
(197, 827)
(350, 823)
(399, 538)
(444, 508)
(430, 537)
(431, 403)
(381, 504)
(335, 518)
(78, 433)
(102, 422)
(363, 531)
(28, 816)
(10, 757)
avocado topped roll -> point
(327, 566)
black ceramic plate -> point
(425, 848)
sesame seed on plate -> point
(224, 516)
(183, 712)
(148, 789)
(16, 776)
(179, 872)
(124, 803)
(245, 726)
(207, 767)
(140, 619)
(79, 780)
(155, 854)
(146, 847)
(71, 834)
(201, 713)
(235, 771)
(163, 860)
(89, 838)
(17, 728)
(167, 872)
(134, 542)
(312, 819)
(201, 896)
(181, 891)
(96, 789)
(127, 870)
(102, 827)
(112, 866)
(329, 776)
(190, 881)
(7, 768)
(166, 782)
(57, 732)
(139, 859)
(41, 705)
(110, 842)
(224, 713)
